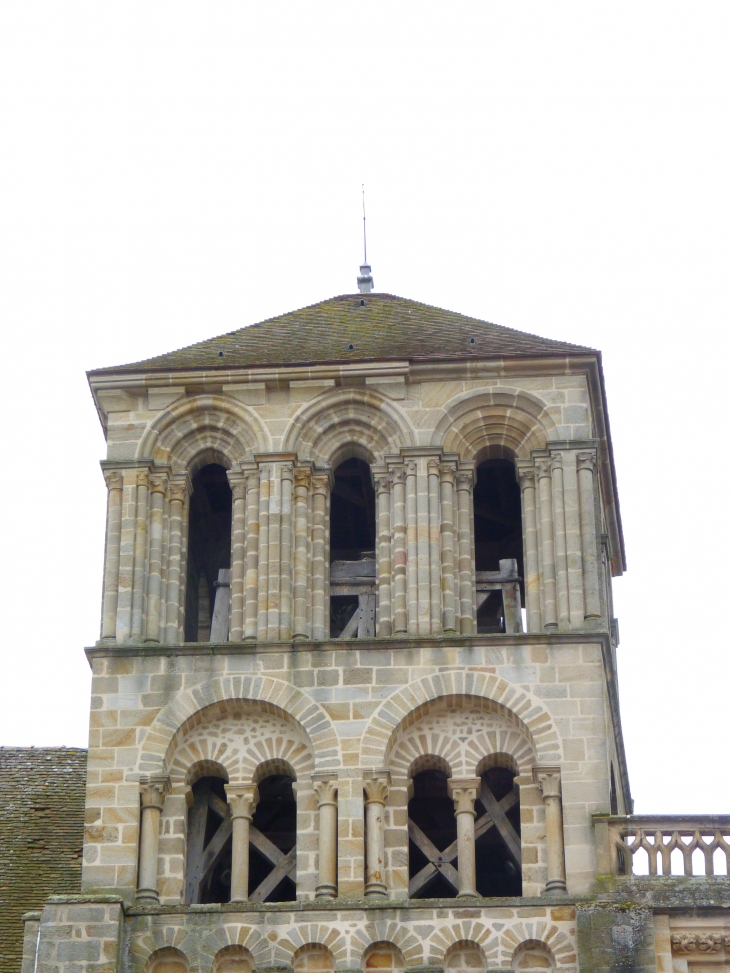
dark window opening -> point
(497, 537)
(276, 819)
(431, 810)
(209, 548)
(208, 873)
(498, 847)
(614, 793)
(352, 551)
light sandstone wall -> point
(542, 699)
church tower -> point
(354, 700)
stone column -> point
(139, 586)
(548, 779)
(158, 488)
(275, 579)
(547, 543)
(464, 480)
(586, 495)
(285, 549)
(114, 484)
(325, 787)
(126, 555)
(178, 492)
(411, 471)
(242, 800)
(302, 482)
(152, 793)
(252, 555)
(376, 794)
(320, 489)
(529, 532)
(450, 615)
(434, 546)
(263, 560)
(383, 500)
(464, 791)
(237, 483)
(400, 556)
(561, 551)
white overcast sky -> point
(170, 171)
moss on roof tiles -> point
(357, 328)
(41, 835)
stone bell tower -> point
(354, 698)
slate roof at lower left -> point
(41, 835)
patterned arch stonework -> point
(307, 934)
(506, 417)
(461, 730)
(240, 735)
(386, 931)
(403, 708)
(467, 930)
(321, 428)
(207, 424)
(161, 739)
(541, 931)
(161, 935)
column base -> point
(147, 896)
(376, 889)
(325, 892)
(556, 885)
(468, 895)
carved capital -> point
(143, 478)
(152, 791)
(399, 475)
(463, 791)
(526, 475)
(114, 479)
(158, 483)
(464, 479)
(252, 479)
(237, 483)
(302, 477)
(242, 799)
(433, 467)
(287, 471)
(586, 461)
(411, 468)
(548, 780)
(556, 461)
(325, 787)
(382, 482)
(320, 484)
(543, 467)
(447, 471)
(179, 488)
(376, 784)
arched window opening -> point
(432, 851)
(233, 959)
(533, 955)
(209, 555)
(313, 958)
(208, 873)
(167, 960)
(273, 837)
(497, 835)
(465, 957)
(498, 547)
(382, 958)
(352, 552)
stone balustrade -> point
(664, 846)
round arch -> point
(156, 746)
(311, 934)
(402, 706)
(322, 428)
(204, 429)
(464, 931)
(510, 418)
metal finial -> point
(365, 280)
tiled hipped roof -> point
(41, 835)
(359, 328)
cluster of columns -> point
(243, 798)
(561, 518)
(280, 546)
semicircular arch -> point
(352, 415)
(156, 750)
(506, 417)
(209, 425)
(404, 705)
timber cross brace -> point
(354, 579)
(441, 862)
(209, 843)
